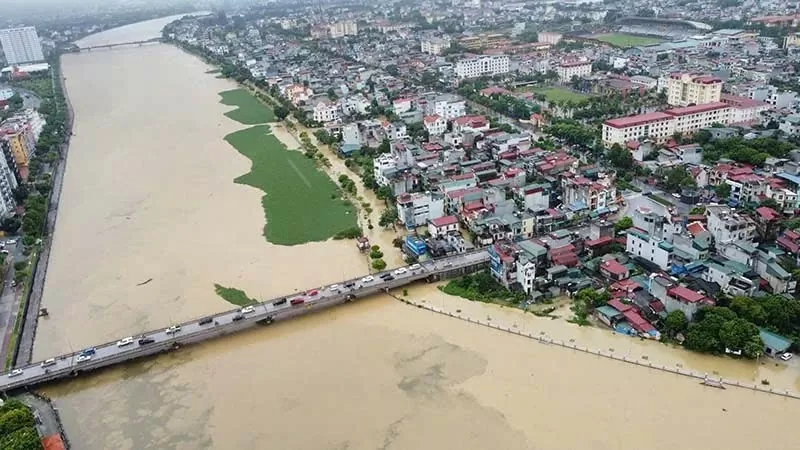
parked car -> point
(146, 340)
(237, 318)
(88, 351)
(786, 356)
(368, 279)
(15, 373)
(279, 302)
(414, 267)
(312, 292)
(82, 358)
(248, 310)
(205, 321)
(173, 329)
(349, 284)
(400, 271)
(334, 287)
(298, 301)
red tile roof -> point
(687, 110)
(641, 119)
(605, 240)
(695, 228)
(768, 213)
(613, 267)
(685, 294)
(444, 221)
(638, 322)
(619, 306)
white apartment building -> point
(727, 226)
(660, 126)
(643, 245)
(8, 182)
(21, 45)
(434, 46)
(548, 37)
(447, 107)
(436, 125)
(381, 164)
(482, 66)
(418, 208)
(567, 70)
(343, 28)
(326, 112)
(354, 104)
(684, 89)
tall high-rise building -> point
(21, 45)
(685, 89)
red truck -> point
(297, 301)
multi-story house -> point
(435, 125)
(445, 106)
(434, 46)
(325, 111)
(648, 247)
(418, 208)
(593, 194)
(726, 225)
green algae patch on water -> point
(249, 110)
(301, 203)
(233, 295)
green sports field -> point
(627, 40)
(555, 94)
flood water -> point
(149, 195)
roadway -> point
(193, 331)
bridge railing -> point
(265, 302)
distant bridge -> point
(232, 321)
(119, 44)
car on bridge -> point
(15, 373)
(49, 362)
(400, 271)
(82, 358)
(88, 351)
(248, 310)
(368, 279)
(173, 329)
(146, 340)
(125, 341)
(312, 293)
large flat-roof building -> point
(660, 126)
(685, 89)
(482, 66)
(21, 45)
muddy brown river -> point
(149, 194)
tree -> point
(770, 203)
(281, 112)
(392, 70)
(14, 420)
(385, 146)
(620, 157)
(23, 439)
(623, 224)
(723, 191)
(385, 193)
(378, 264)
(388, 217)
(675, 323)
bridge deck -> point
(192, 331)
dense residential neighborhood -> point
(662, 170)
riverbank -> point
(33, 305)
(48, 422)
(542, 338)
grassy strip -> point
(481, 287)
(302, 204)
(661, 200)
(26, 294)
(249, 110)
(555, 94)
(234, 296)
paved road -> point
(194, 331)
(29, 99)
(9, 300)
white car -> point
(82, 358)
(334, 287)
(49, 362)
(368, 279)
(125, 341)
(11, 241)
(15, 373)
(786, 356)
(400, 271)
(173, 329)
(676, 195)
(248, 310)
(414, 267)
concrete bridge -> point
(232, 321)
(118, 44)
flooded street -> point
(149, 195)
